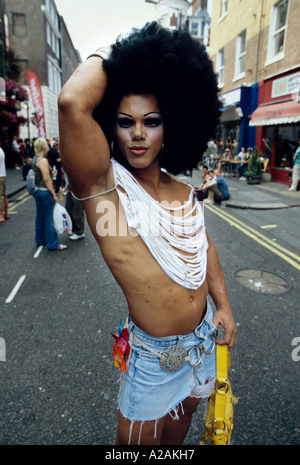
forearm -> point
(83, 146)
(217, 290)
(85, 88)
(49, 185)
(215, 279)
(209, 184)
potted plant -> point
(254, 167)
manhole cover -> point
(263, 281)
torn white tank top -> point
(175, 236)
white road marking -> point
(2, 350)
(37, 253)
(13, 293)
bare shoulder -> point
(42, 163)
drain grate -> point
(263, 282)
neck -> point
(151, 175)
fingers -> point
(227, 323)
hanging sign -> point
(37, 100)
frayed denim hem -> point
(199, 392)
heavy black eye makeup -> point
(151, 120)
(124, 122)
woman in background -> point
(45, 198)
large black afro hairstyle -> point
(177, 70)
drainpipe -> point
(259, 39)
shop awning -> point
(277, 113)
(231, 113)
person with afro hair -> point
(132, 117)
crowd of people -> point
(218, 155)
(51, 181)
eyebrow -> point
(147, 114)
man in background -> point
(219, 188)
(55, 160)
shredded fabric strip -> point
(175, 236)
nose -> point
(138, 131)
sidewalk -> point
(14, 182)
(264, 196)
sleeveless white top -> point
(175, 236)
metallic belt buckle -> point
(173, 359)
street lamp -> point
(26, 107)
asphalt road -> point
(58, 384)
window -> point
(286, 145)
(240, 56)
(195, 28)
(53, 45)
(54, 76)
(19, 24)
(277, 33)
(48, 28)
(224, 7)
(220, 67)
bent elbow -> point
(65, 101)
(69, 105)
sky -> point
(97, 23)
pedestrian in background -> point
(16, 152)
(45, 198)
(55, 161)
(224, 161)
(3, 198)
(76, 212)
(219, 188)
(296, 170)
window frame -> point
(272, 56)
(220, 67)
(239, 55)
(18, 31)
(223, 10)
(224, 7)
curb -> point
(11, 194)
(257, 206)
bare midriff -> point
(156, 304)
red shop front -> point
(277, 119)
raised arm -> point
(83, 146)
(217, 290)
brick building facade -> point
(41, 43)
(254, 18)
(254, 48)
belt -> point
(175, 356)
(42, 189)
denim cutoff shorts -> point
(149, 393)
